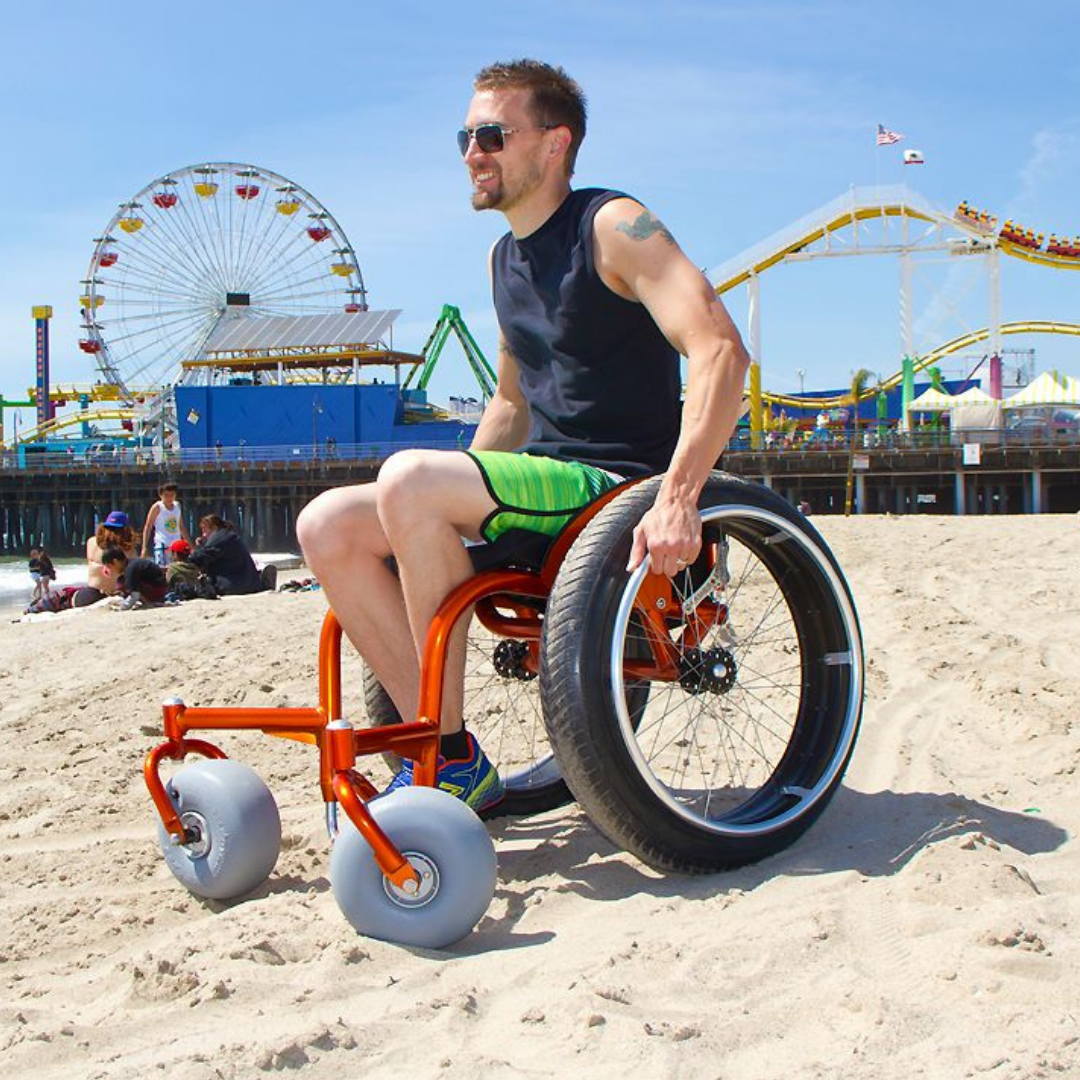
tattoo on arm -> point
(506, 355)
(643, 226)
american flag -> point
(885, 137)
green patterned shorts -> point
(537, 493)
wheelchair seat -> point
(516, 549)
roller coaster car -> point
(1067, 248)
(702, 722)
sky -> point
(729, 120)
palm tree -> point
(858, 390)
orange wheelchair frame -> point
(764, 771)
(339, 744)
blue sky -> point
(729, 120)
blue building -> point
(311, 415)
(293, 383)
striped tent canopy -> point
(973, 395)
(933, 400)
(1049, 388)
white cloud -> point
(1054, 160)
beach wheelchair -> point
(702, 722)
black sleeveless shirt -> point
(600, 379)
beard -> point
(505, 195)
(488, 200)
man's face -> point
(501, 180)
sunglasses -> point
(491, 138)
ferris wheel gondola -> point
(202, 244)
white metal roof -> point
(235, 333)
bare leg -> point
(418, 509)
(428, 500)
(345, 546)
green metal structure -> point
(6, 404)
(451, 322)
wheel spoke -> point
(715, 743)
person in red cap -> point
(180, 570)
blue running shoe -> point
(473, 780)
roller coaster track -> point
(860, 205)
(835, 229)
(965, 341)
(89, 416)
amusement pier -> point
(225, 318)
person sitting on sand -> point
(223, 556)
(114, 531)
(181, 570)
(186, 580)
(141, 579)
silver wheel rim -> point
(427, 888)
(632, 732)
(199, 848)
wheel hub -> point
(196, 834)
(510, 659)
(711, 671)
(427, 887)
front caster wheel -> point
(447, 845)
(233, 826)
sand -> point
(926, 926)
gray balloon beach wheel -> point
(448, 846)
(237, 827)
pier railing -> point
(374, 453)
(146, 457)
(830, 440)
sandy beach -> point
(927, 926)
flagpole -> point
(877, 158)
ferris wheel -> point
(204, 243)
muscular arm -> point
(505, 423)
(639, 259)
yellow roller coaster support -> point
(756, 425)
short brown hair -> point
(555, 99)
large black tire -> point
(503, 712)
(736, 759)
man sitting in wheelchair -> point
(596, 304)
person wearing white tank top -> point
(164, 525)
